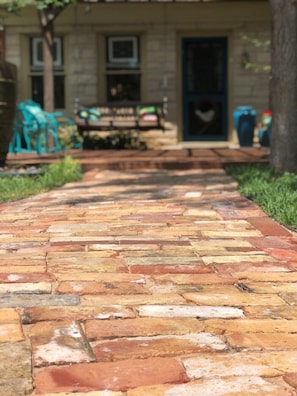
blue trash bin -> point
(244, 121)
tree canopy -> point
(48, 11)
(13, 5)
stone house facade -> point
(192, 53)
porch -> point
(183, 158)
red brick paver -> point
(146, 282)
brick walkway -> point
(146, 283)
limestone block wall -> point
(161, 64)
(251, 86)
(12, 49)
(161, 70)
(83, 66)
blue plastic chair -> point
(32, 130)
(36, 130)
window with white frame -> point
(123, 68)
(36, 71)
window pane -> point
(59, 92)
(123, 87)
(122, 49)
(37, 91)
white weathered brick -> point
(175, 311)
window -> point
(2, 46)
(122, 52)
(36, 71)
(123, 75)
(37, 90)
(37, 53)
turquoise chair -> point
(36, 130)
(32, 130)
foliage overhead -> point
(48, 11)
(15, 5)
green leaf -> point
(16, 5)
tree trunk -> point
(46, 22)
(283, 88)
(48, 76)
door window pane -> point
(205, 118)
(205, 72)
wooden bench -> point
(120, 116)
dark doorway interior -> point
(204, 89)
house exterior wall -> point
(161, 27)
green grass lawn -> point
(18, 186)
(275, 192)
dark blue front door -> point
(204, 89)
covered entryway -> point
(204, 88)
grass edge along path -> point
(274, 192)
(18, 186)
